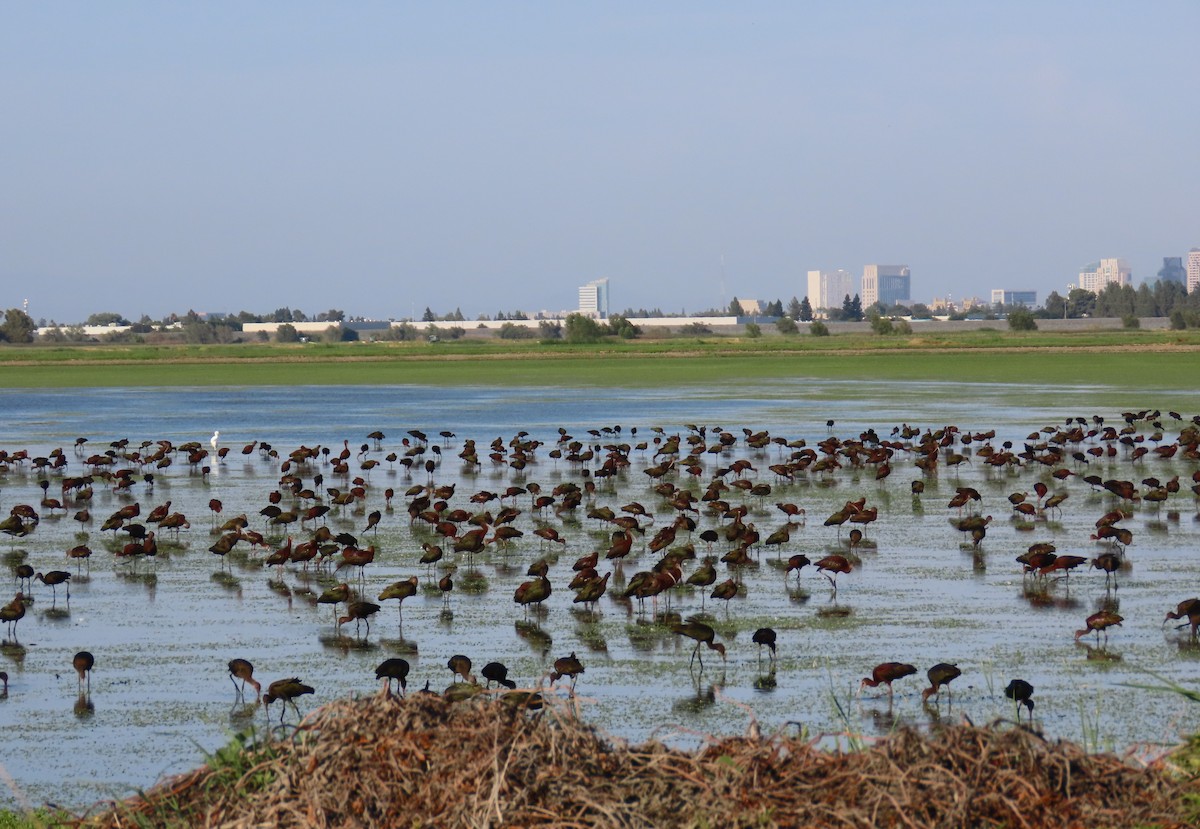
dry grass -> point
(426, 762)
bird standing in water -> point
(393, 669)
(1021, 693)
(886, 673)
(243, 670)
(83, 663)
(940, 675)
(286, 690)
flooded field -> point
(920, 591)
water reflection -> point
(84, 708)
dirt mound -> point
(487, 762)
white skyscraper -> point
(593, 299)
(827, 289)
(1193, 270)
(886, 284)
(1097, 277)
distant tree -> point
(428, 316)
(903, 327)
(623, 328)
(818, 329)
(457, 316)
(880, 324)
(852, 309)
(735, 308)
(786, 325)
(18, 327)
(753, 330)
(1178, 320)
(1055, 307)
(580, 329)
(773, 309)
(512, 331)
(1021, 319)
(106, 318)
(806, 311)
(1131, 321)
(694, 329)
(1081, 303)
(794, 308)
(287, 333)
(920, 311)
(282, 315)
(332, 315)
(332, 334)
(1143, 303)
(548, 330)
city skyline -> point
(381, 158)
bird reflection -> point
(1098, 653)
(766, 682)
(700, 700)
(532, 633)
(84, 708)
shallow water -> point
(162, 631)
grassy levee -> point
(1144, 359)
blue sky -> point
(384, 157)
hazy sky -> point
(384, 157)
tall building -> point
(593, 299)
(827, 289)
(1173, 271)
(1193, 270)
(1026, 299)
(1098, 276)
(886, 284)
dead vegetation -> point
(426, 762)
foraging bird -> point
(83, 662)
(764, 636)
(393, 669)
(885, 673)
(359, 611)
(567, 666)
(497, 672)
(702, 634)
(1021, 693)
(1189, 608)
(12, 613)
(243, 670)
(55, 578)
(461, 667)
(286, 690)
(833, 564)
(940, 675)
(1099, 622)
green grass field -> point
(1143, 359)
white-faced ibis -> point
(4, 679)
(567, 666)
(400, 590)
(396, 669)
(497, 672)
(533, 592)
(55, 578)
(286, 690)
(359, 611)
(460, 666)
(446, 585)
(335, 596)
(12, 613)
(83, 662)
(24, 574)
(1189, 608)
(243, 670)
(940, 676)
(725, 591)
(797, 562)
(702, 634)
(885, 673)
(1099, 622)
(833, 564)
(764, 636)
(1021, 693)
(590, 592)
(1110, 563)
